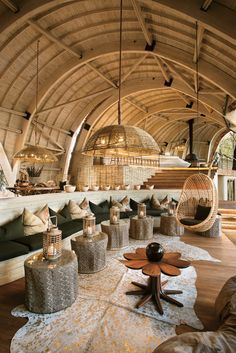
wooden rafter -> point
(138, 12)
(133, 68)
(197, 48)
(15, 112)
(7, 128)
(50, 138)
(180, 75)
(137, 105)
(53, 127)
(101, 75)
(183, 97)
(165, 74)
(11, 5)
(87, 96)
(206, 4)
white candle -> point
(89, 230)
(114, 219)
(51, 250)
(141, 214)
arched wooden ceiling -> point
(78, 68)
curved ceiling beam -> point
(192, 9)
(225, 27)
(99, 106)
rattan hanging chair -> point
(198, 203)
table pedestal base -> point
(154, 290)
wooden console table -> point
(30, 190)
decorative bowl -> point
(137, 187)
(127, 187)
(69, 188)
(85, 188)
(117, 187)
(106, 187)
(95, 187)
(150, 187)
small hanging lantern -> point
(52, 242)
(141, 210)
(114, 215)
(171, 208)
(89, 225)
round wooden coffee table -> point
(169, 265)
(141, 228)
(170, 226)
(118, 234)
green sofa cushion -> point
(202, 212)
(65, 212)
(10, 249)
(190, 221)
(33, 242)
(155, 212)
(133, 204)
(71, 227)
(102, 207)
(60, 219)
(12, 230)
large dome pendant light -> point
(34, 153)
(120, 140)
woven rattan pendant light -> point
(120, 140)
(34, 153)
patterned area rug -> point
(104, 320)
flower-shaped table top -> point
(169, 264)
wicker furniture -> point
(51, 285)
(141, 228)
(198, 189)
(118, 234)
(169, 264)
(169, 225)
(91, 252)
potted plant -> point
(34, 173)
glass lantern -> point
(114, 215)
(52, 243)
(141, 210)
(89, 225)
(171, 208)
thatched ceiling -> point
(78, 68)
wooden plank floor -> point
(210, 278)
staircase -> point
(174, 178)
(228, 211)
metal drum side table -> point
(91, 252)
(51, 285)
(141, 228)
(118, 234)
(170, 226)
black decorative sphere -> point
(154, 252)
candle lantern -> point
(52, 242)
(141, 210)
(114, 215)
(89, 225)
(171, 208)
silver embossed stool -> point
(118, 234)
(141, 228)
(51, 285)
(91, 252)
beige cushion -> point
(198, 342)
(165, 201)
(84, 204)
(75, 211)
(125, 204)
(119, 205)
(43, 214)
(225, 303)
(155, 202)
(32, 223)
